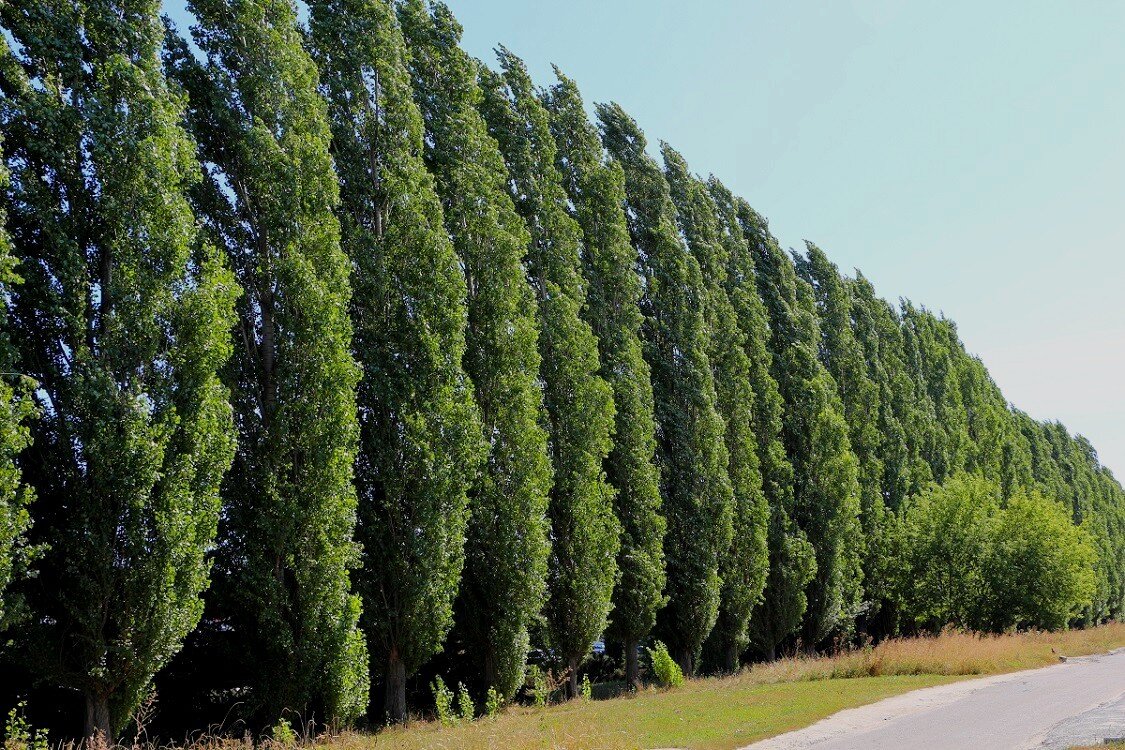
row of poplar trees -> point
(327, 349)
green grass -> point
(730, 712)
(709, 715)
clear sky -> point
(967, 155)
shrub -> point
(492, 703)
(587, 690)
(667, 671)
(1040, 564)
(18, 734)
(282, 733)
(465, 703)
(443, 702)
(948, 531)
(978, 562)
(538, 683)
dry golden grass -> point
(951, 653)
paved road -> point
(1080, 702)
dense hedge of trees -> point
(333, 360)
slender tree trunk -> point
(632, 665)
(771, 652)
(730, 658)
(572, 678)
(687, 662)
(395, 700)
(490, 669)
(97, 717)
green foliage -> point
(982, 563)
(815, 434)
(443, 702)
(504, 581)
(420, 436)
(667, 671)
(902, 417)
(282, 733)
(597, 192)
(1040, 565)
(268, 199)
(465, 708)
(844, 358)
(585, 533)
(791, 557)
(121, 321)
(493, 703)
(537, 681)
(20, 735)
(744, 563)
(696, 491)
(948, 530)
(17, 406)
(586, 690)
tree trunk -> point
(771, 652)
(632, 666)
(395, 699)
(730, 658)
(572, 678)
(490, 670)
(686, 661)
(97, 717)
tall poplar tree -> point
(931, 364)
(843, 357)
(420, 439)
(122, 320)
(791, 557)
(584, 530)
(504, 581)
(826, 490)
(268, 199)
(597, 191)
(692, 456)
(745, 562)
(878, 331)
(16, 408)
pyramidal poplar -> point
(584, 530)
(878, 331)
(744, 562)
(420, 438)
(791, 557)
(504, 581)
(122, 320)
(932, 365)
(843, 357)
(596, 188)
(695, 487)
(815, 433)
(268, 199)
(16, 408)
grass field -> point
(729, 712)
(704, 714)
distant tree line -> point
(333, 360)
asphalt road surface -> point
(1080, 702)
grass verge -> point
(729, 712)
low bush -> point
(667, 671)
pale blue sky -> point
(967, 155)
